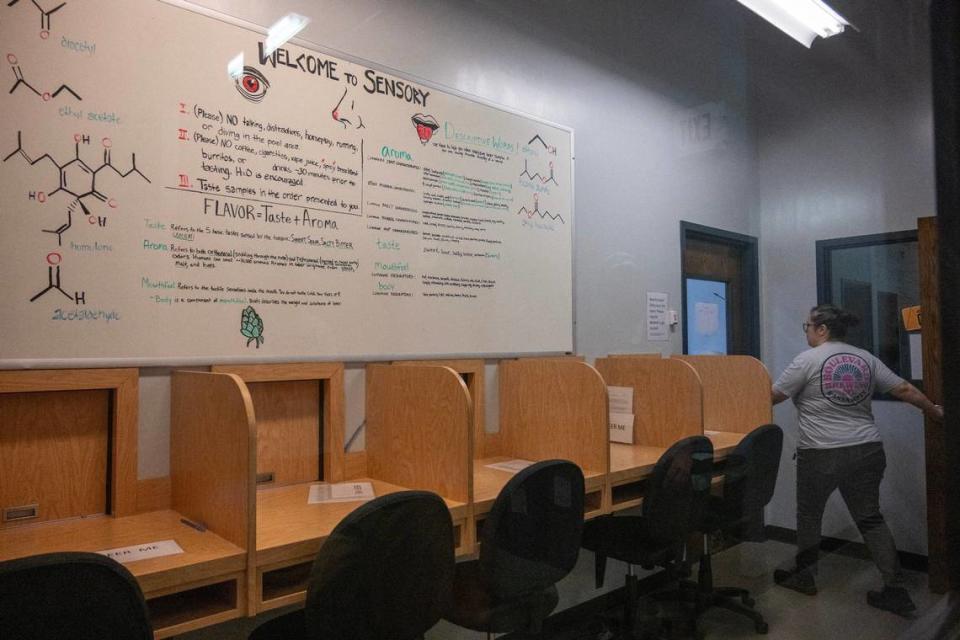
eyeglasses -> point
(807, 325)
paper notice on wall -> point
(340, 492)
(143, 551)
(708, 318)
(621, 427)
(658, 329)
(621, 399)
(916, 356)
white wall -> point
(803, 145)
(844, 148)
(625, 78)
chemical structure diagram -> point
(536, 212)
(537, 176)
(550, 149)
(21, 81)
(78, 180)
(44, 16)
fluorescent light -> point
(235, 66)
(284, 29)
(802, 20)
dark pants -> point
(857, 472)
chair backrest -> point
(386, 571)
(82, 596)
(531, 538)
(678, 488)
(750, 478)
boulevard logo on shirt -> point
(845, 379)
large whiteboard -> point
(157, 208)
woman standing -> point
(839, 447)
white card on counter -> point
(512, 466)
(341, 492)
(621, 399)
(143, 551)
(621, 427)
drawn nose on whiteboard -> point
(346, 112)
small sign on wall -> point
(621, 427)
(911, 318)
(658, 329)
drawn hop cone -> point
(251, 326)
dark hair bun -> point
(848, 319)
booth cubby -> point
(667, 406)
(298, 441)
(211, 483)
(736, 398)
(549, 408)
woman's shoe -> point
(799, 580)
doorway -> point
(732, 305)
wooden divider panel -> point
(288, 430)
(667, 397)
(472, 372)
(419, 429)
(55, 426)
(736, 392)
(554, 408)
(288, 423)
(53, 453)
(213, 454)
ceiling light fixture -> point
(802, 20)
(284, 29)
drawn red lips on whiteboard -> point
(425, 125)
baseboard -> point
(910, 561)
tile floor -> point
(839, 610)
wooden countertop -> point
(488, 482)
(205, 553)
(288, 527)
(723, 442)
(631, 461)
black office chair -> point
(749, 479)
(530, 541)
(675, 496)
(80, 596)
(385, 572)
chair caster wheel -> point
(762, 628)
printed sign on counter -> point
(143, 551)
(341, 492)
(513, 466)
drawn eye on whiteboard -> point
(252, 84)
(346, 113)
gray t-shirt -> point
(832, 385)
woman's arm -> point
(909, 393)
(777, 396)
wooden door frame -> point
(750, 273)
(945, 48)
